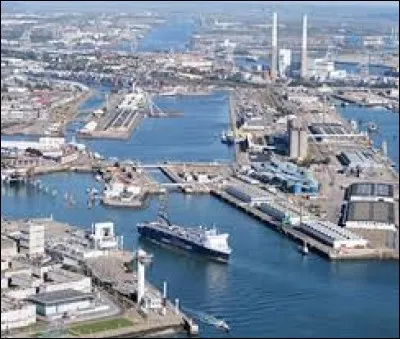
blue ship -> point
(194, 239)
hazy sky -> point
(331, 3)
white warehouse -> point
(332, 235)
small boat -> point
(372, 126)
(227, 137)
(354, 125)
(98, 177)
(223, 325)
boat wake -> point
(207, 319)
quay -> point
(300, 238)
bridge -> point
(165, 164)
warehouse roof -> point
(371, 189)
(375, 211)
(57, 297)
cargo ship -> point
(198, 239)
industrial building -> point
(322, 129)
(332, 235)
(8, 248)
(369, 191)
(358, 159)
(16, 313)
(286, 176)
(285, 61)
(369, 215)
(332, 132)
(31, 240)
(247, 194)
(44, 144)
(284, 212)
(60, 279)
(59, 303)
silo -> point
(303, 143)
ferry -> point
(195, 239)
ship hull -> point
(174, 241)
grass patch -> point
(100, 326)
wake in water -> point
(207, 319)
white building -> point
(32, 239)
(60, 279)
(284, 62)
(58, 303)
(332, 235)
(15, 314)
(321, 68)
(103, 236)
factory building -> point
(375, 215)
(58, 303)
(31, 240)
(285, 61)
(332, 235)
(370, 192)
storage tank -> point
(297, 188)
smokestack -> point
(304, 49)
(274, 57)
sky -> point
(191, 6)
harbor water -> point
(195, 136)
(387, 122)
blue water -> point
(97, 99)
(172, 36)
(192, 137)
(388, 126)
(267, 290)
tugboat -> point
(372, 127)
